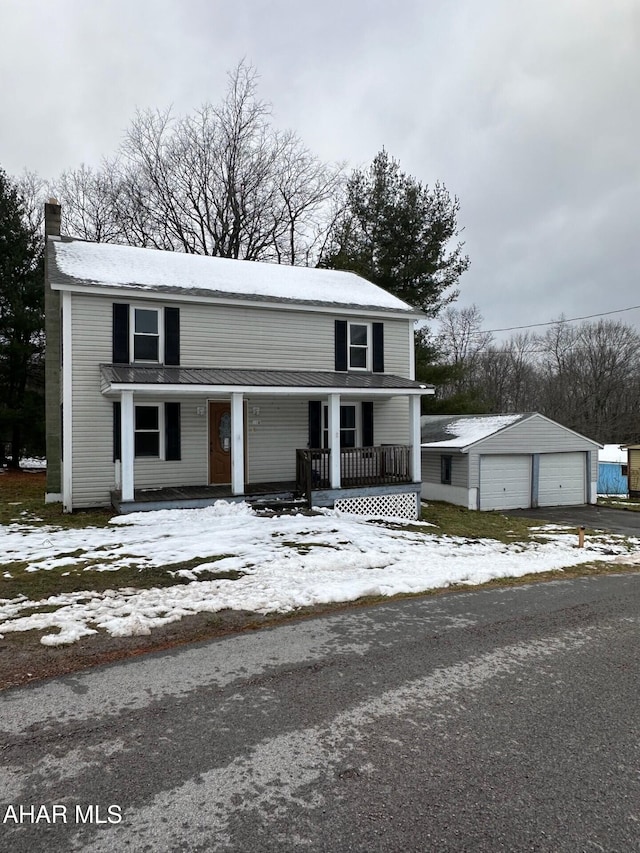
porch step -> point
(271, 506)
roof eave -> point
(110, 388)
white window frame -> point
(132, 334)
(368, 348)
(160, 408)
(358, 426)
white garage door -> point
(562, 479)
(505, 481)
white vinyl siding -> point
(93, 468)
(216, 336)
(391, 421)
(432, 489)
(431, 468)
(94, 471)
(398, 343)
(275, 340)
(562, 479)
(192, 469)
(274, 433)
(235, 336)
(505, 481)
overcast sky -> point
(528, 111)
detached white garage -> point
(496, 462)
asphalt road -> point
(622, 521)
(494, 720)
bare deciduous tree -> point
(461, 342)
(91, 202)
(591, 378)
(222, 181)
(586, 377)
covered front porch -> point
(256, 420)
(364, 472)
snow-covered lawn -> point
(283, 563)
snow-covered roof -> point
(459, 431)
(612, 453)
(74, 262)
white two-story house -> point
(174, 380)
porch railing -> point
(359, 466)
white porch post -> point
(126, 444)
(333, 411)
(237, 443)
(416, 456)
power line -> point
(555, 322)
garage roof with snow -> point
(462, 431)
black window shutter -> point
(117, 422)
(341, 346)
(315, 423)
(172, 336)
(367, 424)
(172, 448)
(377, 333)
(120, 339)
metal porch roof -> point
(115, 374)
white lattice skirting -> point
(398, 506)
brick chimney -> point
(52, 216)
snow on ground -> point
(31, 463)
(285, 562)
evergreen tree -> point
(434, 367)
(21, 327)
(398, 233)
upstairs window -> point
(146, 334)
(358, 346)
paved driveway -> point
(622, 521)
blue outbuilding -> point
(612, 470)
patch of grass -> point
(630, 504)
(82, 576)
(304, 548)
(194, 564)
(22, 501)
(41, 584)
(458, 521)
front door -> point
(219, 443)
